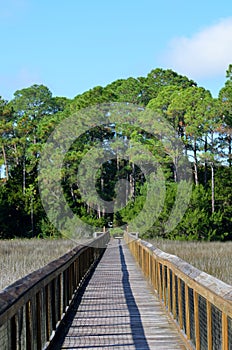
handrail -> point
(32, 308)
(200, 304)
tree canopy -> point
(202, 123)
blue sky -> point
(71, 46)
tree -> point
(202, 123)
(225, 96)
(159, 78)
(194, 107)
(6, 132)
(30, 106)
(125, 90)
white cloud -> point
(206, 54)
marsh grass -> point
(20, 257)
(213, 258)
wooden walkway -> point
(118, 310)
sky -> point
(73, 45)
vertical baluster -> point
(169, 290)
(187, 312)
(225, 340)
(13, 333)
(164, 285)
(159, 281)
(196, 319)
(156, 275)
(53, 304)
(209, 325)
(174, 296)
(43, 309)
(39, 320)
(180, 303)
(58, 294)
(21, 328)
(29, 335)
(48, 312)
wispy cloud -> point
(206, 54)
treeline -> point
(201, 122)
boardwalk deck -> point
(118, 310)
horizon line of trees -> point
(201, 122)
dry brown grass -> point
(20, 257)
(212, 257)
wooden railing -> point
(200, 304)
(32, 308)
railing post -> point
(142, 257)
(225, 341)
(187, 311)
(151, 269)
(39, 320)
(180, 316)
(196, 319)
(174, 296)
(169, 289)
(59, 303)
(29, 336)
(13, 332)
(209, 324)
(21, 327)
(48, 312)
(43, 316)
(159, 281)
(164, 285)
(53, 303)
(146, 266)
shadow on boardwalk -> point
(137, 330)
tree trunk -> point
(195, 162)
(132, 182)
(175, 169)
(99, 211)
(24, 174)
(205, 172)
(17, 158)
(5, 162)
(212, 188)
(32, 216)
(230, 150)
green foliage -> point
(48, 230)
(116, 232)
(201, 122)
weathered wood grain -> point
(118, 310)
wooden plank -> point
(119, 310)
